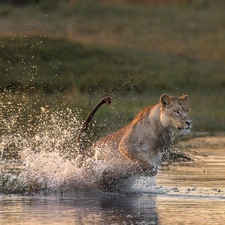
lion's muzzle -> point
(186, 128)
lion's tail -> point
(79, 141)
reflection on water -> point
(79, 209)
(110, 209)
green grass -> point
(72, 55)
(59, 65)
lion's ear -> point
(184, 98)
(165, 100)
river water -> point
(182, 193)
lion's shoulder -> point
(148, 114)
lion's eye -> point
(177, 112)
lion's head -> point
(174, 113)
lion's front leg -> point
(144, 165)
(136, 147)
(148, 171)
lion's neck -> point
(163, 135)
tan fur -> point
(137, 147)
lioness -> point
(136, 148)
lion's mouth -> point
(184, 130)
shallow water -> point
(185, 193)
(195, 190)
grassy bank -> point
(72, 55)
(59, 65)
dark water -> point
(184, 193)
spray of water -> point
(44, 156)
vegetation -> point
(73, 54)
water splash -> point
(44, 161)
(44, 156)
